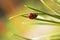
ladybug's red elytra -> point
(32, 15)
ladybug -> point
(32, 15)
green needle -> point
(55, 16)
(21, 37)
(43, 20)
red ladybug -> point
(32, 15)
